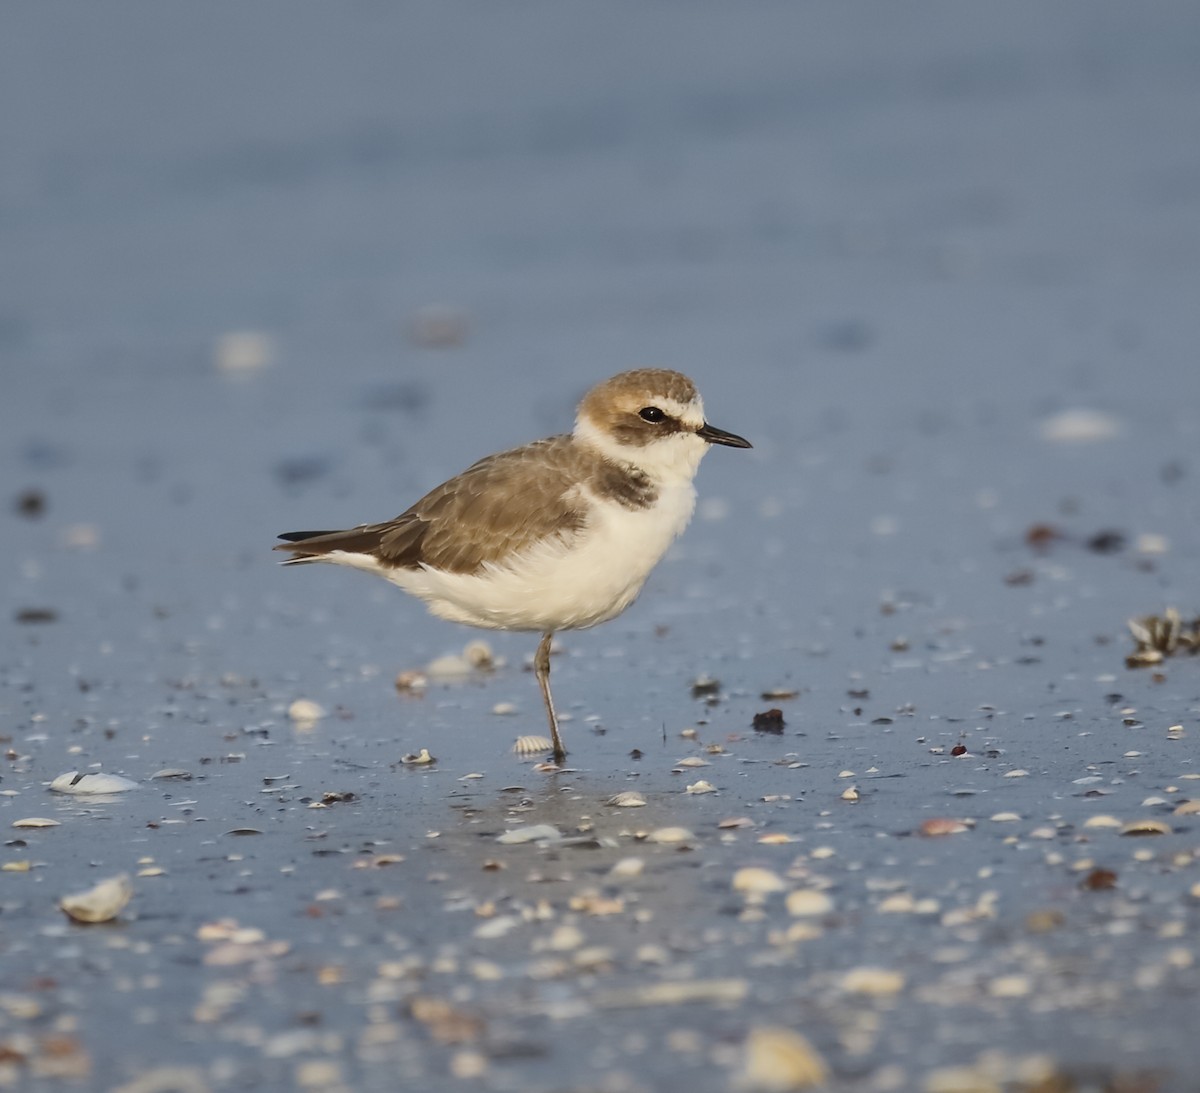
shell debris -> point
(540, 833)
(305, 710)
(100, 903)
(532, 745)
(1146, 827)
(74, 782)
(755, 880)
(670, 835)
(876, 982)
(628, 798)
(809, 902)
(701, 787)
(778, 1060)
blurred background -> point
(271, 265)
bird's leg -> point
(541, 667)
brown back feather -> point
(470, 521)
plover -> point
(559, 534)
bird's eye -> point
(652, 414)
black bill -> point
(719, 436)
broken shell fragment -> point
(532, 745)
(701, 787)
(421, 758)
(101, 903)
(629, 798)
(779, 1060)
(84, 784)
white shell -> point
(305, 709)
(36, 821)
(779, 1060)
(536, 833)
(671, 835)
(100, 903)
(628, 798)
(533, 745)
(84, 784)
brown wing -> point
(504, 502)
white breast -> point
(562, 585)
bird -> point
(558, 534)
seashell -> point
(243, 351)
(877, 982)
(629, 798)
(532, 745)
(693, 761)
(410, 681)
(778, 1060)
(100, 903)
(1188, 808)
(304, 709)
(808, 902)
(451, 666)
(670, 835)
(701, 787)
(755, 879)
(1146, 827)
(941, 825)
(1102, 821)
(627, 868)
(1079, 425)
(36, 821)
(478, 654)
(536, 833)
(171, 773)
(84, 784)
(421, 758)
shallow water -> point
(893, 246)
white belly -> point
(556, 586)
